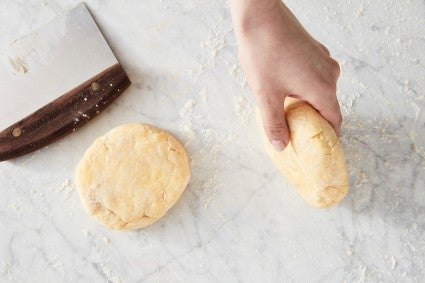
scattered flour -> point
(208, 143)
(417, 110)
(236, 72)
(19, 65)
(393, 262)
(204, 96)
(219, 145)
(186, 126)
(243, 108)
(108, 273)
(360, 11)
(67, 188)
(187, 109)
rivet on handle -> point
(16, 132)
(95, 86)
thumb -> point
(274, 121)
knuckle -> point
(269, 96)
(274, 128)
(324, 48)
(335, 68)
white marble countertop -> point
(238, 220)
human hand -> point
(280, 59)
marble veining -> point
(239, 220)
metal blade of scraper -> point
(64, 74)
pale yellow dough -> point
(130, 177)
(314, 160)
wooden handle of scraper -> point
(63, 115)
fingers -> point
(332, 113)
(324, 48)
(274, 122)
(330, 110)
(322, 96)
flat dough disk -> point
(130, 177)
(314, 160)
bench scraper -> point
(64, 74)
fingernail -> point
(278, 145)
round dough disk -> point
(130, 177)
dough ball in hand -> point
(130, 177)
(314, 160)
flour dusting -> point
(243, 108)
(67, 188)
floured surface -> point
(181, 57)
(131, 176)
